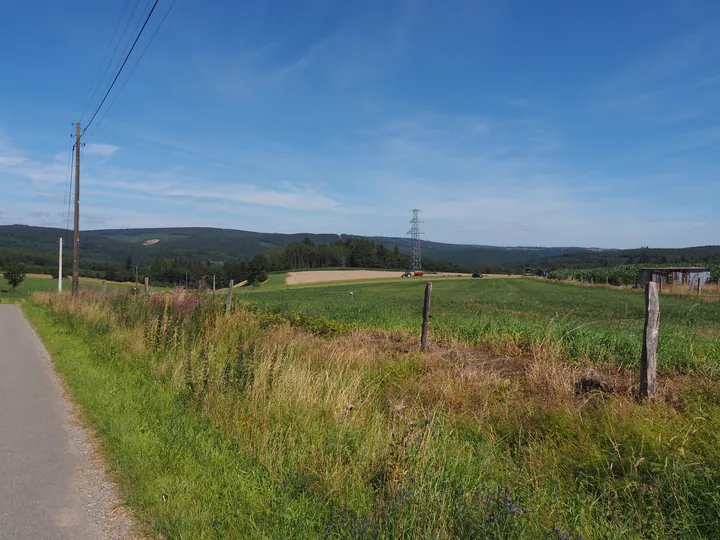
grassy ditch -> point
(242, 426)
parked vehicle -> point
(477, 275)
(419, 273)
(406, 274)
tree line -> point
(305, 255)
(349, 253)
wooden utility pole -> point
(426, 315)
(648, 362)
(76, 234)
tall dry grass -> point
(417, 443)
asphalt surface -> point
(49, 489)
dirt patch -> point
(151, 242)
(323, 276)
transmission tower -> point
(415, 233)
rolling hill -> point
(144, 245)
(210, 244)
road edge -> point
(94, 483)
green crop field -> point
(595, 324)
(40, 284)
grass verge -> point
(225, 427)
(182, 477)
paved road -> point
(49, 489)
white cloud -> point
(102, 150)
(296, 199)
(12, 161)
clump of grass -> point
(373, 438)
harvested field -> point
(322, 276)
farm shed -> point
(688, 275)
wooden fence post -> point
(426, 315)
(648, 362)
(147, 285)
(229, 298)
(104, 289)
(213, 283)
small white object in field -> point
(351, 294)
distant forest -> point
(349, 253)
(190, 254)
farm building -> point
(690, 276)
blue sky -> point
(507, 123)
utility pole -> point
(76, 234)
(60, 268)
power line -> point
(142, 54)
(107, 59)
(121, 67)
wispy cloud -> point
(44, 172)
(12, 161)
(103, 150)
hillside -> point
(114, 246)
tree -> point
(128, 263)
(257, 269)
(14, 273)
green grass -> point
(274, 281)
(224, 427)
(183, 478)
(35, 284)
(587, 323)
